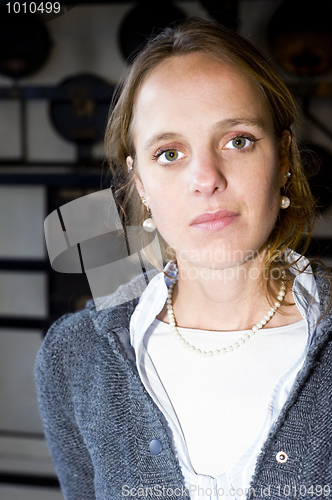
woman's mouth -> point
(213, 221)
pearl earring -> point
(284, 201)
(149, 224)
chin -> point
(223, 256)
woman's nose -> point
(206, 175)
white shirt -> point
(232, 475)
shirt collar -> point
(154, 297)
(305, 291)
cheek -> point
(259, 190)
(168, 212)
(270, 197)
(268, 174)
(166, 209)
(163, 192)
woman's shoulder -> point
(323, 279)
(62, 346)
(323, 276)
(125, 293)
(91, 329)
(76, 344)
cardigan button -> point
(281, 457)
(155, 447)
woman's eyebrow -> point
(161, 137)
(228, 122)
(232, 122)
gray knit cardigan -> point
(99, 419)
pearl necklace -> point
(231, 347)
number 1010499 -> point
(32, 7)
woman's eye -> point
(239, 143)
(171, 155)
(168, 156)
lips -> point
(211, 216)
(214, 221)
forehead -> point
(195, 86)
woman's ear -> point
(140, 187)
(138, 182)
(284, 162)
(130, 163)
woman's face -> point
(207, 160)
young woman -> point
(217, 381)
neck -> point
(224, 299)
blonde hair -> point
(293, 227)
